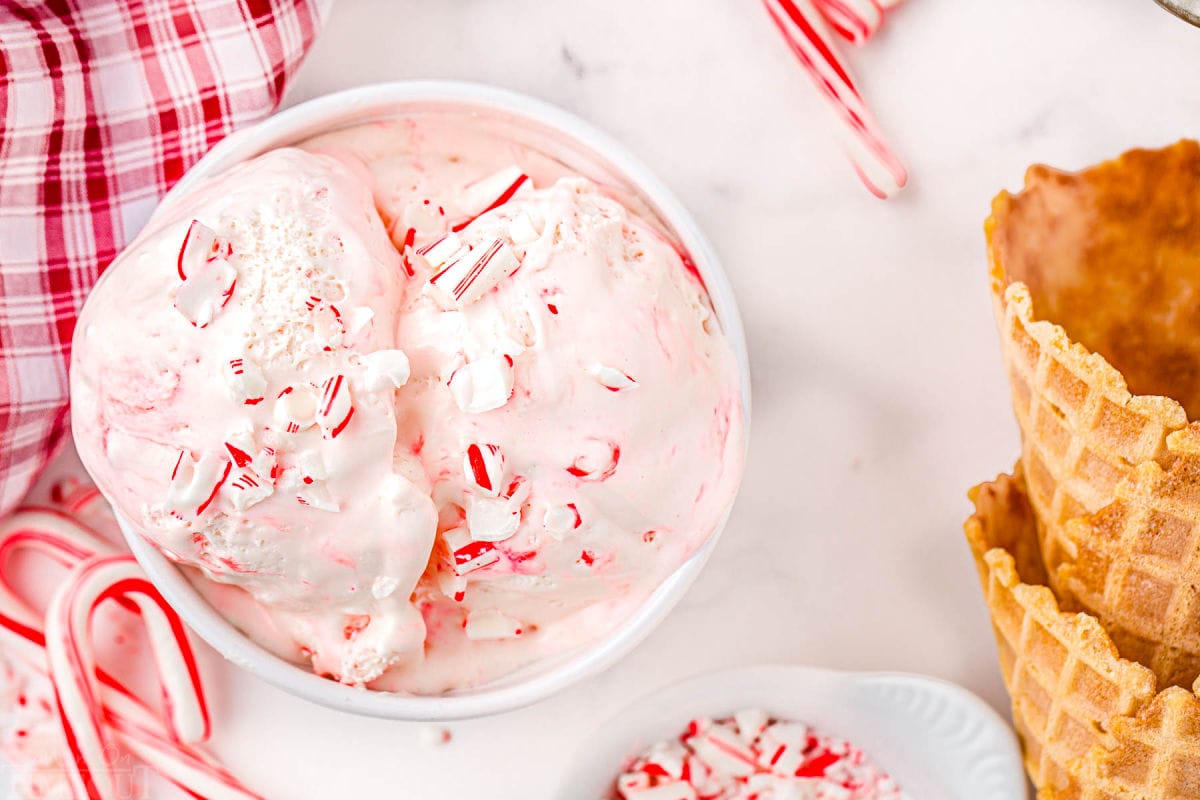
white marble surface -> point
(879, 394)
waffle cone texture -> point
(1089, 554)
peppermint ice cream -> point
(432, 406)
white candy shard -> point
(611, 378)
(205, 291)
(474, 273)
(317, 495)
(452, 584)
(329, 331)
(385, 369)
(195, 483)
(488, 623)
(491, 192)
(310, 465)
(702, 777)
(296, 408)
(247, 488)
(492, 519)
(561, 520)
(207, 276)
(483, 466)
(442, 250)
(751, 722)
(781, 747)
(245, 381)
(483, 384)
(523, 230)
(335, 408)
(667, 758)
(358, 319)
(721, 749)
(200, 245)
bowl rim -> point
(338, 109)
(615, 740)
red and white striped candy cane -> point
(855, 20)
(52, 534)
(72, 662)
(68, 541)
(873, 159)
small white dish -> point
(588, 152)
(939, 741)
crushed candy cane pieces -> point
(207, 278)
(561, 520)
(487, 194)
(385, 369)
(754, 756)
(200, 245)
(483, 466)
(612, 378)
(335, 408)
(473, 273)
(492, 519)
(468, 555)
(488, 623)
(245, 380)
(296, 408)
(195, 483)
(441, 251)
(483, 385)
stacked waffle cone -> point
(1089, 553)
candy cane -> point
(488, 194)
(190, 769)
(68, 541)
(72, 663)
(50, 533)
(872, 157)
(483, 466)
(855, 20)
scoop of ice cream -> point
(574, 420)
(246, 423)
(412, 386)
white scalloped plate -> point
(939, 741)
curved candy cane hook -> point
(72, 663)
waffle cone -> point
(1092, 724)
(1095, 279)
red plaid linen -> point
(105, 104)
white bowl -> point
(588, 152)
(939, 741)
